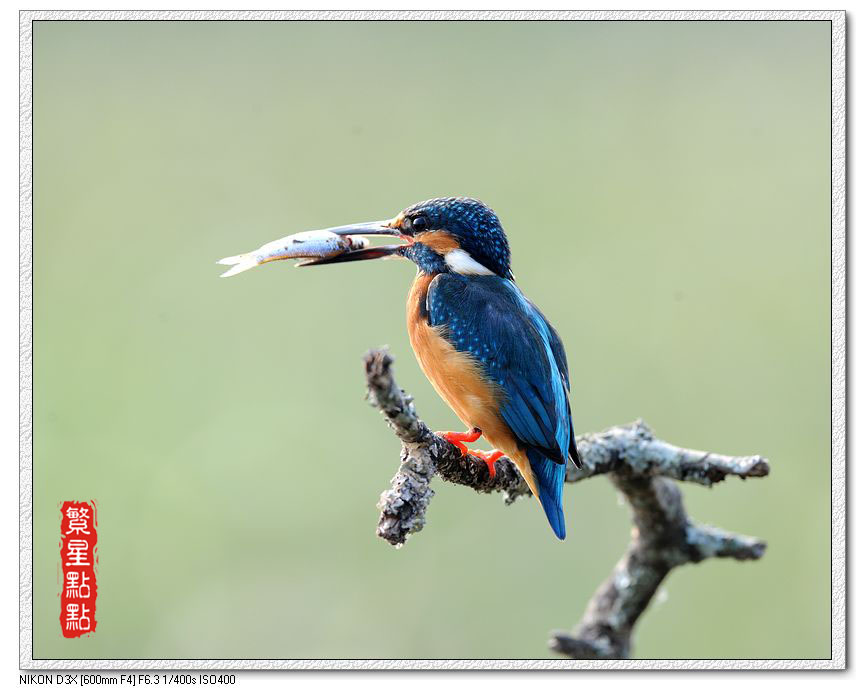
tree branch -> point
(639, 466)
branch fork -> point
(640, 466)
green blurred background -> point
(666, 191)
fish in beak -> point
(332, 245)
(388, 228)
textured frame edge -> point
(838, 336)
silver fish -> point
(317, 244)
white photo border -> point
(838, 335)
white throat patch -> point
(461, 262)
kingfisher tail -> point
(550, 477)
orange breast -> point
(460, 380)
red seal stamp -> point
(78, 559)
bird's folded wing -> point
(489, 318)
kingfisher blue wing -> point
(488, 318)
(562, 362)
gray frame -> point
(839, 345)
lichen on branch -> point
(641, 468)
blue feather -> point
(550, 477)
(491, 320)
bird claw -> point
(457, 438)
(489, 457)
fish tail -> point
(239, 264)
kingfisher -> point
(488, 351)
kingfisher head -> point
(450, 234)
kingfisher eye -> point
(418, 223)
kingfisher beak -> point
(374, 227)
(388, 228)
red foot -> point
(488, 457)
(457, 438)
